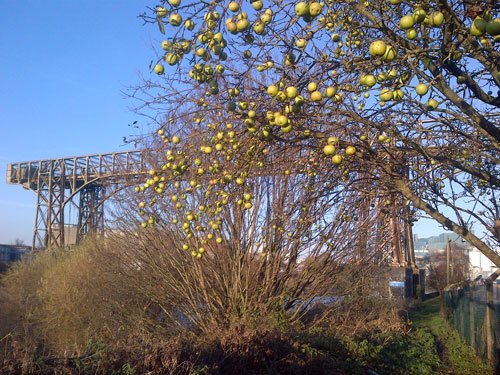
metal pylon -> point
(49, 219)
(90, 210)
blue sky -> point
(64, 65)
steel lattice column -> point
(40, 237)
(49, 220)
(91, 210)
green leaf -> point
(160, 25)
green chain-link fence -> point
(474, 311)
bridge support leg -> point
(90, 211)
(49, 219)
(40, 237)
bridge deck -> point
(78, 170)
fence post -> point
(472, 321)
(488, 322)
(462, 307)
(448, 260)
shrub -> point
(396, 353)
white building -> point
(480, 265)
(425, 247)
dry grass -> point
(59, 304)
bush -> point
(117, 306)
(413, 353)
(60, 304)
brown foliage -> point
(106, 305)
(459, 267)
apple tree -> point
(400, 95)
(225, 238)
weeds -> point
(80, 312)
(455, 353)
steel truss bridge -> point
(80, 182)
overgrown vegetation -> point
(277, 194)
(67, 310)
(454, 353)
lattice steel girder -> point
(80, 170)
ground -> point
(455, 355)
